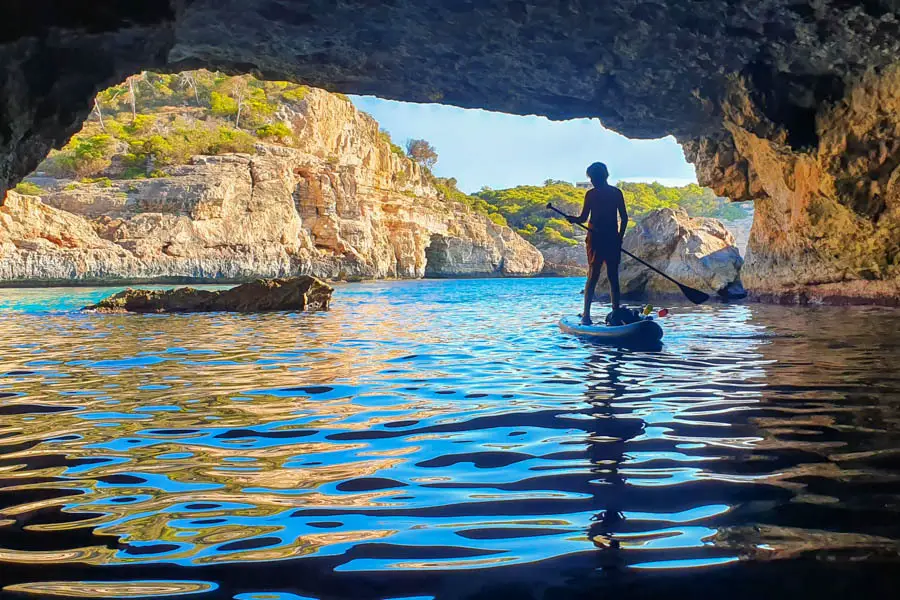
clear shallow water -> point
(444, 439)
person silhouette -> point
(602, 204)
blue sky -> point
(482, 148)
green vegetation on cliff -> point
(525, 207)
(153, 120)
(446, 187)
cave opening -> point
(270, 178)
(436, 256)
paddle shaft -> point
(624, 251)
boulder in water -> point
(288, 294)
(697, 251)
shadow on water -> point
(419, 441)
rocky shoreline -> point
(339, 204)
(851, 293)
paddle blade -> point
(695, 296)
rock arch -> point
(771, 103)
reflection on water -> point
(418, 441)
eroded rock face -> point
(569, 260)
(750, 88)
(697, 251)
(827, 216)
(341, 204)
(302, 293)
(463, 256)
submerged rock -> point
(292, 294)
(697, 251)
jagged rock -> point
(697, 251)
(339, 205)
(827, 215)
(293, 294)
(564, 260)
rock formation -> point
(293, 294)
(341, 204)
(697, 251)
(786, 102)
(564, 260)
(827, 214)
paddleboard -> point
(645, 331)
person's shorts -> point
(598, 254)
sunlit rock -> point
(827, 219)
(696, 251)
(339, 205)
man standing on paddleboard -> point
(604, 203)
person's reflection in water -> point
(609, 435)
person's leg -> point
(589, 287)
(612, 273)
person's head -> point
(598, 173)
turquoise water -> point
(442, 439)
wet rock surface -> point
(302, 293)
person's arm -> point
(585, 211)
(623, 217)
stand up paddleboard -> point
(645, 331)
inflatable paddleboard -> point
(645, 331)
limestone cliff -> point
(563, 258)
(338, 204)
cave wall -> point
(828, 214)
(753, 89)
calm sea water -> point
(443, 439)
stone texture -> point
(748, 87)
(339, 205)
(827, 214)
(294, 294)
(697, 251)
(564, 260)
(646, 68)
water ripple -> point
(422, 428)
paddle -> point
(695, 296)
